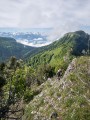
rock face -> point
(69, 98)
(71, 67)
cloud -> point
(62, 15)
(10, 12)
(34, 43)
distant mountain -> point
(30, 37)
(61, 51)
(9, 47)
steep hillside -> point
(62, 51)
(64, 99)
(9, 47)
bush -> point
(29, 95)
(2, 81)
(47, 70)
(2, 66)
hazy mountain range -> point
(32, 37)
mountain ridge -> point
(70, 45)
(68, 37)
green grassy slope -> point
(62, 51)
(69, 97)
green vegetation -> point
(69, 97)
(33, 87)
(9, 47)
(60, 53)
(20, 82)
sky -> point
(61, 15)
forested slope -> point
(9, 47)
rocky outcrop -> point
(67, 99)
(71, 67)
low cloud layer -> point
(62, 15)
(34, 44)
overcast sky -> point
(62, 15)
